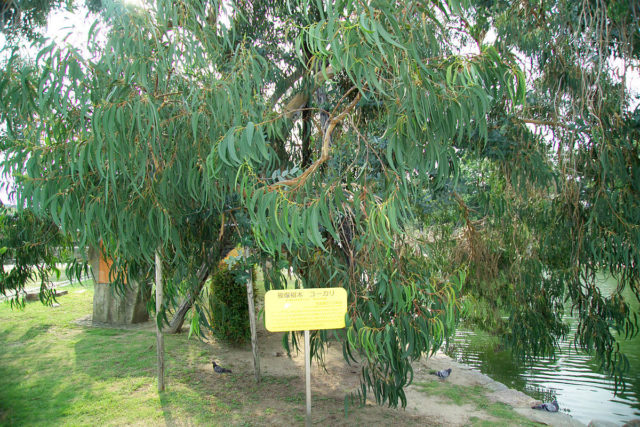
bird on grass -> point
(443, 374)
(219, 369)
(550, 407)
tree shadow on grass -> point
(4, 334)
(113, 353)
(76, 376)
(94, 376)
(35, 385)
(166, 410)
(34, 332)
(124, 363)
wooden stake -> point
(307, 375)
(159, 335)
(252, 321)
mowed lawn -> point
(53, 371)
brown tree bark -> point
(204, 271)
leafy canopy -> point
(546, 204)
(313, 132)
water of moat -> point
(572, 378)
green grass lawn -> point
(54, 371)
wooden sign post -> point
(304, 310)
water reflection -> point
(572, 378)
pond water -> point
(572, 378)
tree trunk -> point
(203, 274)
(178, 318)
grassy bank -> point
(475, 398)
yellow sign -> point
(305, 309)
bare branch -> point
(324, 154)
(549, 123)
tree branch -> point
(216, 254)
(324, 153)
(285, 85)
(178, 318)
(550, 123)
(301, 98)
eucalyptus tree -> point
(304, 130)
(550, 197)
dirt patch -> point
(280, 399)
(467, 397)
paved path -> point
(36, 289)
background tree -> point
(36, 249)
(31, 250)
(547, 201)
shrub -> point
(228, 307)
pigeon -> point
(219, 369)
(443, 374)
(550, 407)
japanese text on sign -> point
(305, 309)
